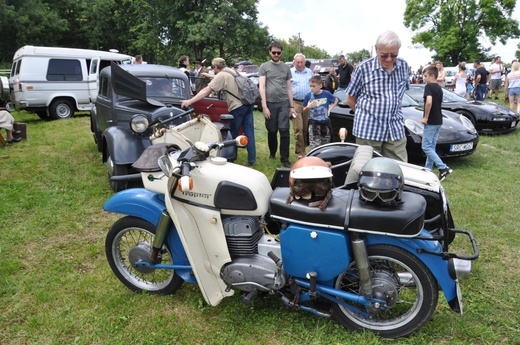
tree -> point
(358, 56)
(452, 28)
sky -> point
(350, 26)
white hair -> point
(298, 55)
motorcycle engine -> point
(249, 270)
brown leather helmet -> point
(310, 180)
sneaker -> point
(444, 173)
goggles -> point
(384, 195)
(306, 191)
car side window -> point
(64, 70)
(104, 86)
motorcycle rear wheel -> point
(398, 276)
(131, 239)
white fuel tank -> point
(232, 188)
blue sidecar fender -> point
(435, 263)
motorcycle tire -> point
(130, 239)
(400, 278)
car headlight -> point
(468, 124)
(139, 123)
(414, 127)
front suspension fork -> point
(165, 222)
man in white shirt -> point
(495, 83)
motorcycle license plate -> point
(461, 147)
(459, 295)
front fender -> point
(435, 263)
(137, 202)
(124, 146)
(147, 205)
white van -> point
(55, 82)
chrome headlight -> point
(139, 123)
(468, 124)
(414, 127)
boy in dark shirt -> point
(432, 120)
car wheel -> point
(469, 116)
(61, 109)
(116, 170)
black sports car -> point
(458, 136)
(488, 117)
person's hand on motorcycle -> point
(186, 103)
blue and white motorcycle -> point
(203, 220)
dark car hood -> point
(126, 84)
(482, 106)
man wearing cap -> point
(243, 114)
(201, 77)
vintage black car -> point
(458, 136)
(487, 117)
(130, 98)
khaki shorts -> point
(495, 84)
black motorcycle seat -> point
(346, 211)
(299, 211)
(406, 218)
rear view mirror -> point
(166, 165)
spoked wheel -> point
(401, 280)
(129, 241)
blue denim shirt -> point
(300, 82)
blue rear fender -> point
(435, 263)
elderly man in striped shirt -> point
(375, 94)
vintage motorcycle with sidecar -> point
(364, 256)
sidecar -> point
(347, 159)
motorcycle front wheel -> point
(129, 241)
(400, 279)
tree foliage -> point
(160, 30)
(453, 28)
(358, 56)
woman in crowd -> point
(442, 74)
(512, 86)
(460, 80)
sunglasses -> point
(385, 196)
(386, 55)
(276, 53)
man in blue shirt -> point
(300, 87)
(375, 94)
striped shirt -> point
(379, 95)
(300, 82)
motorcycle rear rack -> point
(445, 254)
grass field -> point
(57, 288)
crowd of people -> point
(374, 89)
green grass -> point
(57, 288)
